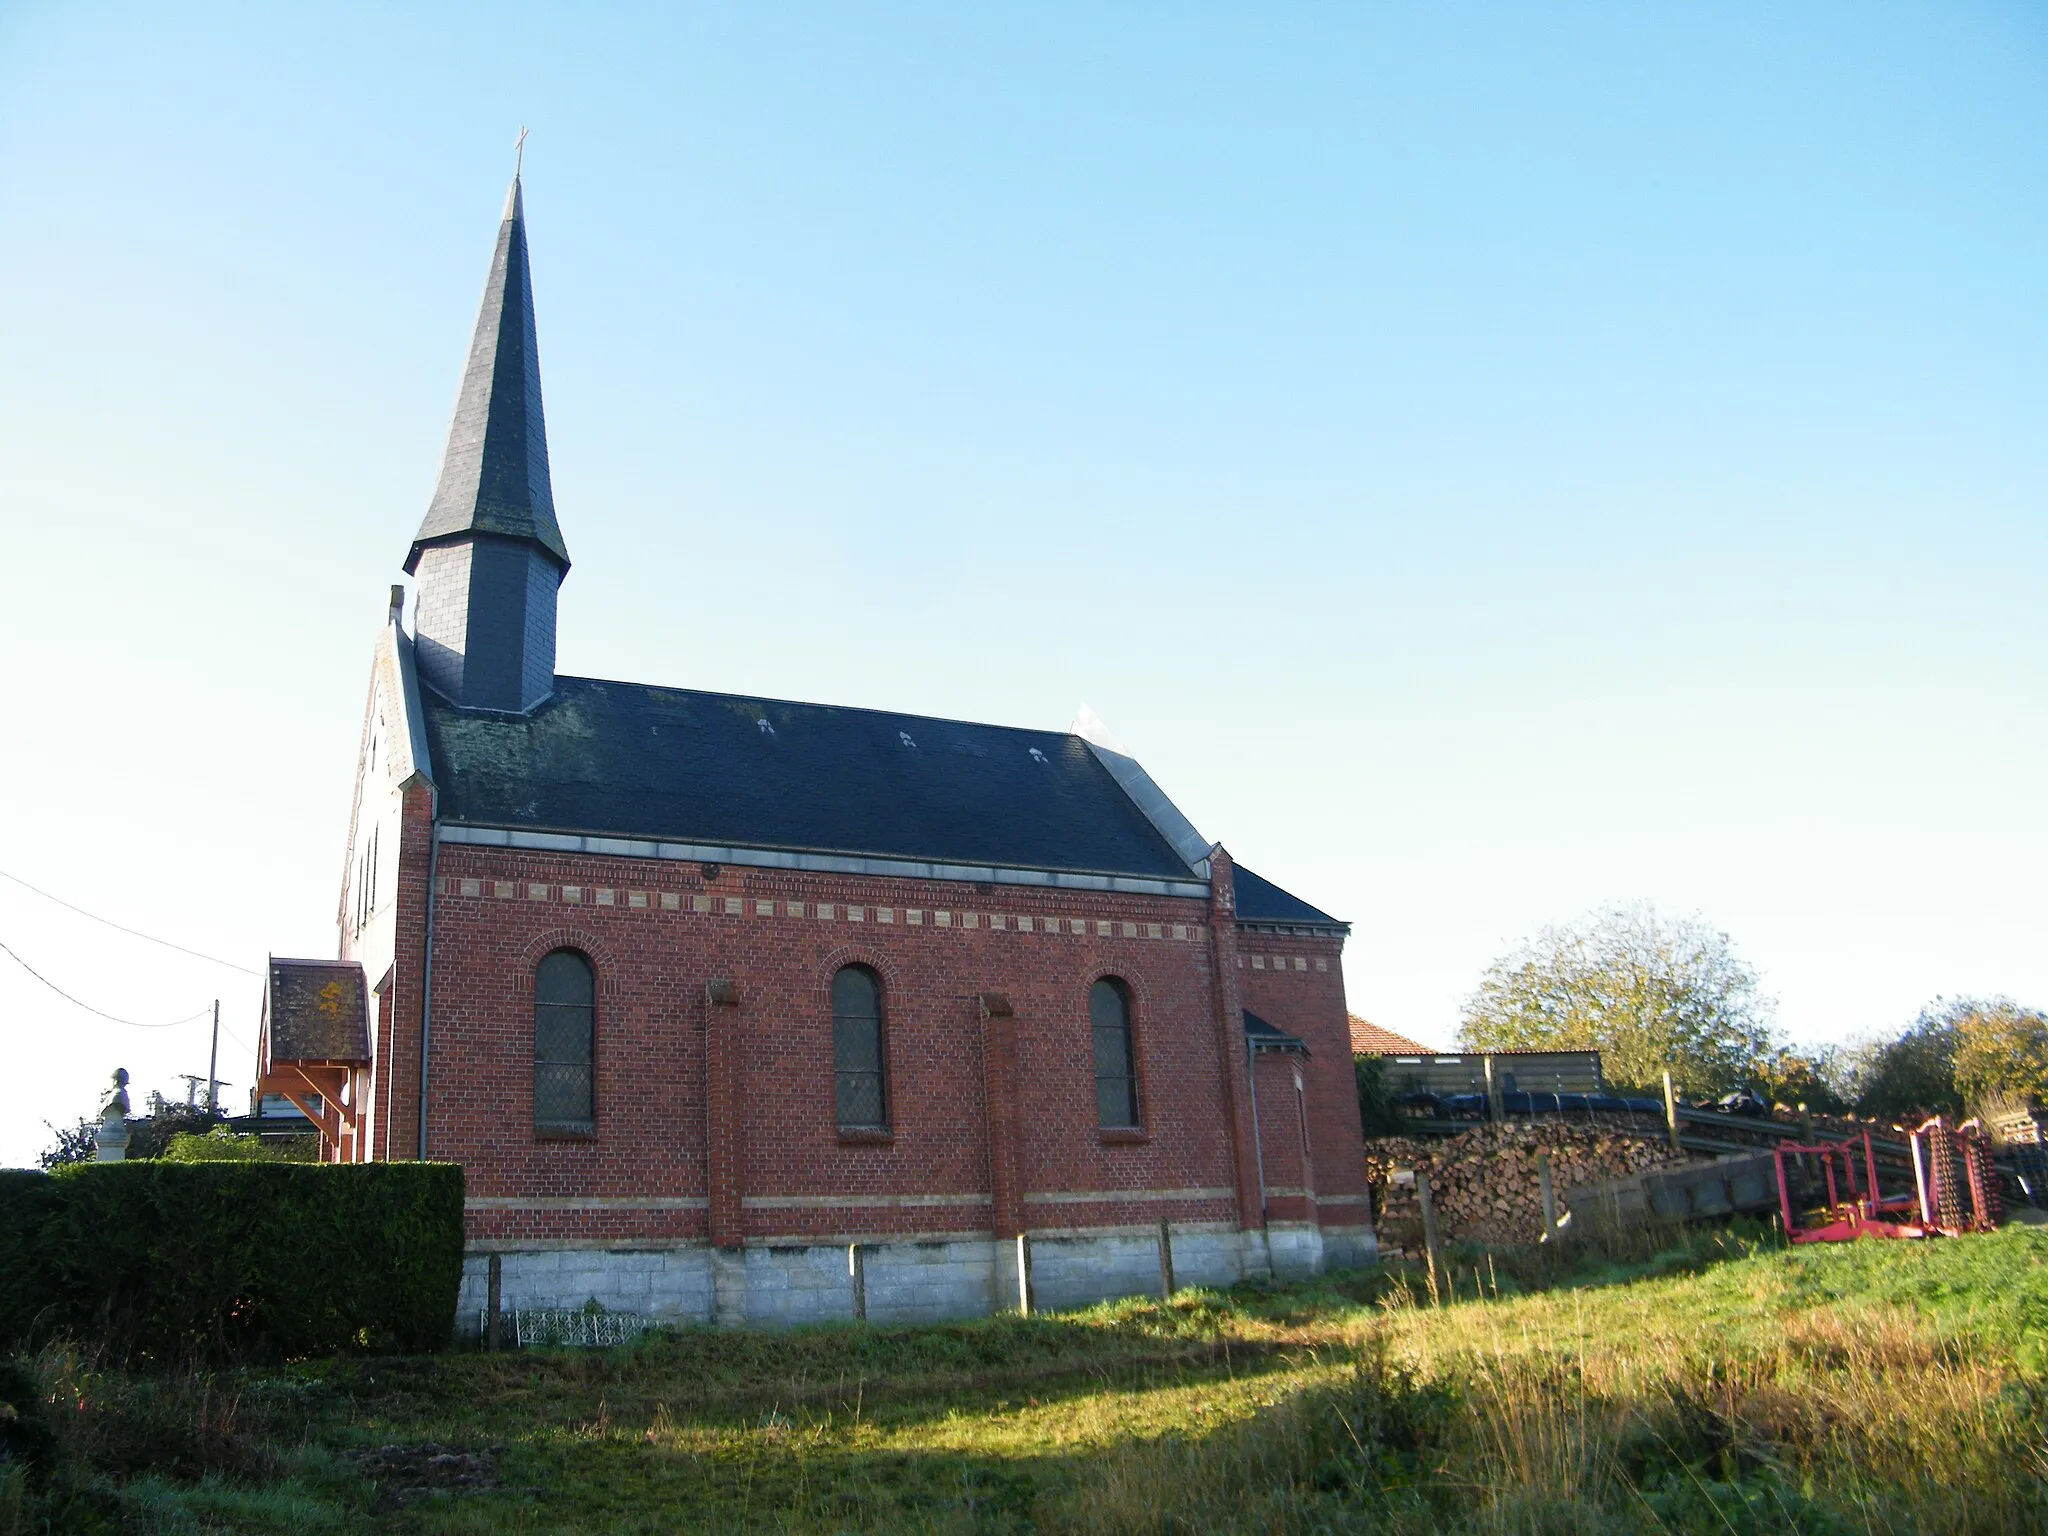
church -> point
(750, 1012)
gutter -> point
(479, 835)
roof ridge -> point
(858, 709)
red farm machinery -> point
(1830, 1193)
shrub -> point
(229, 1261)
(221, 1145)
(27, 1202)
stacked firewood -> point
(1484, 1182)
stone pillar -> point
(729, 1287)
(1231, 1054)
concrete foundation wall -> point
(906, 1281)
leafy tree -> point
(1648, 992)
(1376, 1111)
(2001, 1049)
(149, 1136)
(74, 1144)
(1914, 1072)
(1812, 1078)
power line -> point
(88, 1007)
(123, 928)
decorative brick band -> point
(703, 905)
(855, 1202)
(588, 1203)
(1282, 962)
(1119, 1196)
(1146, 1230)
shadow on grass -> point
(1347, 1403)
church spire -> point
(489, 557)
(494, 476)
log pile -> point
(1484, 1181)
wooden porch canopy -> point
(316, 1032)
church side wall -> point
(624, 1215)
(801, 1176)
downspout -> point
(427, 967)
(1251, 1072)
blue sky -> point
(1486, 461)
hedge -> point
(186, 1262)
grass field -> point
(1722, 1385)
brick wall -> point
(1297, 984)
(657, 932)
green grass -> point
(1721, 1385)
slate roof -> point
(1368, 1039)
(494, 478)
(316, 1010)
(1259, 900)
(632, 761)
(1269, 1037)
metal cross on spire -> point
(519, 153)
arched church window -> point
(857, 1072)
(1116, 1077)
(564, 1033)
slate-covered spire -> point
(494, 476)
(489, 557)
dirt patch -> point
(404, 1473)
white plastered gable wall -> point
(389, 761)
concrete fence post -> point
(1165, 1260)
(1024, 1274)
(857, 1277)
(1549, 1196)
(1671, 1111)
(1493, 1106)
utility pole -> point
(213, 1067)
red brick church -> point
(709, 993)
